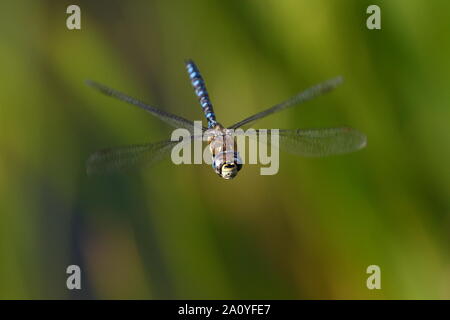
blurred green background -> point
(169, 231)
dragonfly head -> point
(229, 171)
(227, 164)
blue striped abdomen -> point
(201, 92)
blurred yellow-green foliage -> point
(182, 232)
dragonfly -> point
(226, 161)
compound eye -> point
(228, 171)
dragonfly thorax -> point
(225, 158)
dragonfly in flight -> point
(225, 157)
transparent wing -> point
(321, 142)
(303, 96)
(171, 119)
(316, 142)
(121, 158)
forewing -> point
(301, 97)
(171, 119)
